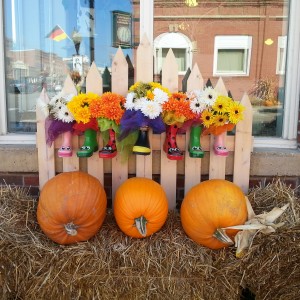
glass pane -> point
(179, 55)
(231, 60)
(263, 22)
(46, 40)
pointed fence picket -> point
(142, 166)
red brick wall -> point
(30, 181)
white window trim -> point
(232, 42)
(158, 46)
(280, 65)
(292, 85)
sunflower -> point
(221, 104)
(235, 112)
(220, 119)
(207, 118)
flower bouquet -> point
(108, 109)
(59, 120)
(199, 101)
(85, 124)
(176, 111)
(143, 110)
(221, 116)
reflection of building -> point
(241, 41)
(34, 64)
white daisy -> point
(151, 109)
(140, 102)
(197, 106)
(130, 104)
(160, 96)
(209, 96)
(54, 100)
(64, 114)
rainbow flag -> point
(57, 34)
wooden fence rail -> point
(240, 144)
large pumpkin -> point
(210, 206)
(71, 207)
(140, 207)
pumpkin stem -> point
(71, 229)
(140, 224)
(221, 235)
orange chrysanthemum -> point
(108, 106)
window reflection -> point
(242, 41)
(46, 40)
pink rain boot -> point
(66, 150)
(219, 145)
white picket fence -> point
(240, 144)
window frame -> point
(292, 78)
(233, 42)
(158, 49)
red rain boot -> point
(170, 145)
(110, 150)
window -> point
(181, 47)
(198, 26)
(232, 55)
(48, 39)
(281, 55)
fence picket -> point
(243, 147)
(46, 160)
(144, 72)
(217, 164)
(192, 167)
(168, 178)
(119, 72)
(94, 84)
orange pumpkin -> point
(140, 207)
(71, 207)
(211, 206)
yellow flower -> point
(222, 104)
(150, 95)
(207, 118)
(79, 106)
(220, 119)
(236, 112)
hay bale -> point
(167, 265)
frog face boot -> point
(110, 150)
(90, 144)
(219, 145)
(170, 145)
(66, 147)
(195, 149)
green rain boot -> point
(90, 144)
(195, 148)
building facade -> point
(253, 45)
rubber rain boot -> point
(195, 149)
(90, 144)
(66, 146)
(219, 145)
(170, 144)
(142, 145)
(110, 150)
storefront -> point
(253, 46)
